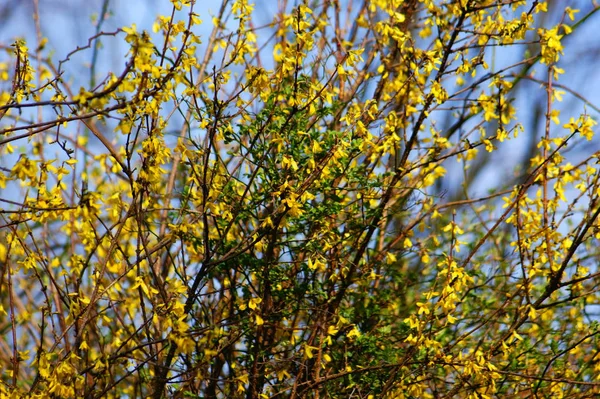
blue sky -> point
(69, 23)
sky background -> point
(69, 23)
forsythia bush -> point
(295, 210)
